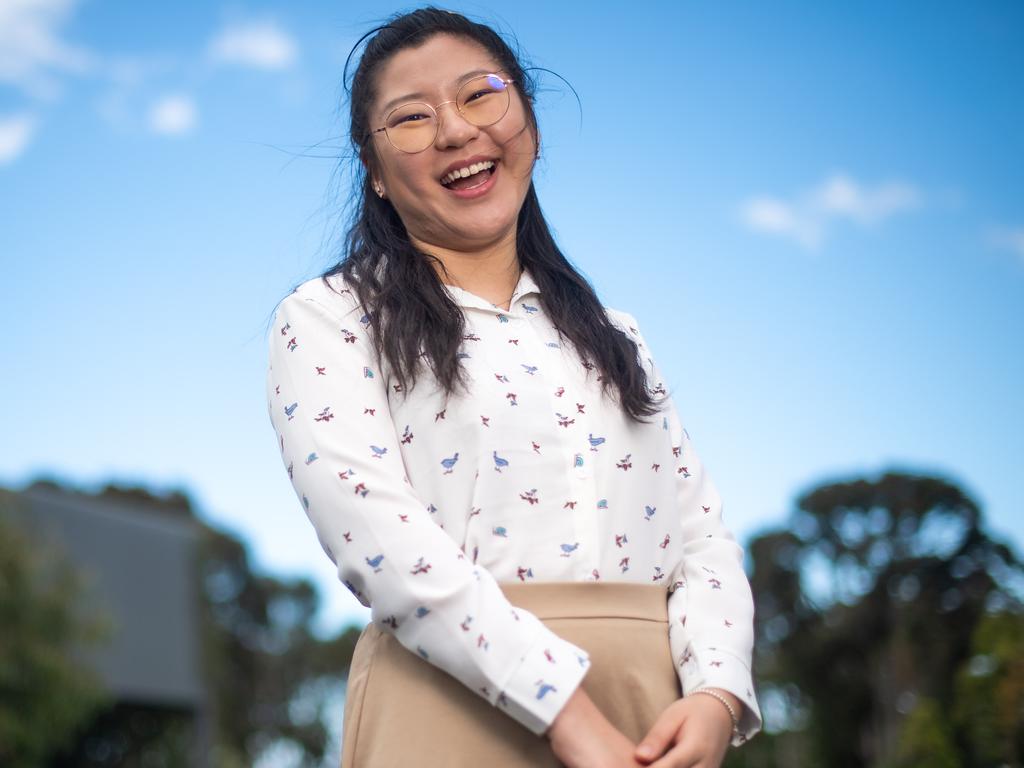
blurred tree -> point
(867, 606)
(989, 703)
(46, 614)
(268, 669)
(270, 677)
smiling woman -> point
(469, 431)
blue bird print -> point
(422, 611)
(375, 563)
(289, 410)
(649, 512)
(568, 549)
(528, 308)
(544, 689)
(449, 463)
(499, 462)
(594, 441)
(530, 369)
(500, 530)
(502, 318)
(378, 452)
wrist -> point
(566, 720)
(730, 703)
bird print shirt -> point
(425, 503)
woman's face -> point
(433, 213)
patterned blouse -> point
(424, 504)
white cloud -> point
(15, 133)
(806, 218)
(173, 115)
(32, 55)
(260, 44)
(1009, 239)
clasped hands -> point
(692, 732)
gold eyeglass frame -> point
(437, 116)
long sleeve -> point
(328, 404)
(710, 607)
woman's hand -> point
(695, 730)
(582, 737)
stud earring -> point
(379, 190)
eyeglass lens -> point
(481, 101)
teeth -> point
(461, 173)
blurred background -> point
(814, 211)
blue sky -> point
(815, 211)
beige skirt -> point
(401, 710)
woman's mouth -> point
(469, 177)
(471, 181)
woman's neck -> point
(491, 273)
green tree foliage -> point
(46, 614)
(269, 676)
(267, 667)
(989, 702)
(869, 605)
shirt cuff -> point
(711, 667)
(550, 671)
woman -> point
(490, 458)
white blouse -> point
(425, 505)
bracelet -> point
(728, 706)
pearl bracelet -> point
(728, 706)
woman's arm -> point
(710, 608)
(329, 407)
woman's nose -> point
(453, 129)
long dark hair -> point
(413, 320)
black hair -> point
(413, 319)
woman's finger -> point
(680, 756)
(661, 735)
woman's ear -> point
(369, 169)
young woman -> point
(490, 456)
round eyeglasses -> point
(412, 127)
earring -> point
(379, 190)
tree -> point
(46, 614)
(867, 604)
(269, 675)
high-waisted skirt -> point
(401, 710)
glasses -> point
(412, 127)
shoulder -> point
(625, 321)
(333, 296)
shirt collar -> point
(464, 298)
